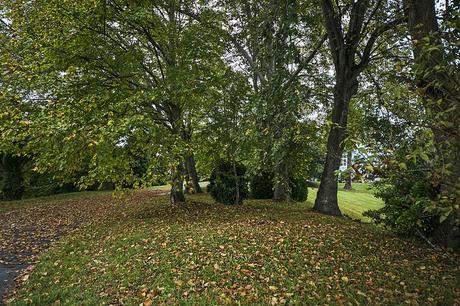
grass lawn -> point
(258, 253)
(353, 203)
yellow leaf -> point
(147, 302)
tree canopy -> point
(132, 93)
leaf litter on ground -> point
(258, 253)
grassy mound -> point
(260, 252)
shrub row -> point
(223, 184)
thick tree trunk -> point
(343, 48)
(349, 178)
(346, 86)
(282, 190)
(344, 52)
(435, 84)
(192, 173)
(326, 198)
(440, 97)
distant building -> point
(343, 160)
(359, 159)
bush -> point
(43, 184)
(262, 185)
(11, 177)
(222, 186)
(299, 189)
(406, 200)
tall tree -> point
(437, 81)
(120, 70)
(266, 36)
(351, 45)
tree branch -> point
(373, 38)
(307, 60)
(334, 29)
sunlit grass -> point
(353, 203)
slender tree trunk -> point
(189, 161)
(281, 191)
(177, 187)
(237, 183)
(188, 184)
(349, 176)
(192, 173)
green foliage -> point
(223, 182)
(262, 185)
(11, 177)
(43, 184)
(110, 83)
(299, 189)
(406, 200)
(409, 190)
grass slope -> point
(353, 203)
(258, 253)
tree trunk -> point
(343, 48)
(348, 178)
(192, 173)
(440, 97)
(188, 184)
(346, 86)
(177, 186)
(435, 84)
(326, 198)
(237, 183)
(281, 190)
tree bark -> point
(282, 191)
(177, 186)
(326, 199)
(440, 97)
(343, 47)
(192, 173)
(433, 83)
(348, 179)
